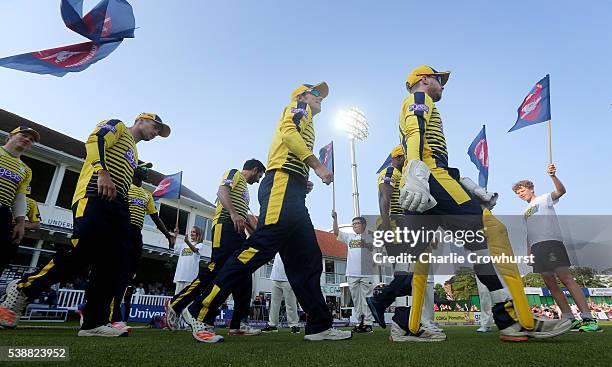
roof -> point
(330, 246)
(76, 148)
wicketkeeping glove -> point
(414, 195)
(485, 199)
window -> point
(42, 175)
(167, 214)
(329, 266)
(69, 182)
(205, 224)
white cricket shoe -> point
(432, 327)
(483, 329)
(329, 334)
(424, 335)
(120, 325)
(13, 305)
(105, 331)
(542, 329)
(187, 317)
(245, 330)
(205, 333)
(172, 319)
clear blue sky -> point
(221, 72)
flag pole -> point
(178, 203)
(549, 143)
(334, 181)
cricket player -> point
(284, 224)
(140, 203)
(228, 227)
(32, 215)
(101, 221)
(15, 177)
(545, 243)
(433, 196)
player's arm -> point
(151, 210)
(20, 206)
(415, 115)
(385, 191)
(99, 141)
(227, 184)
(559, 187)
(291, 137)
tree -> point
(533, 280)
(586, 277)
(463, 284)
(440, 292)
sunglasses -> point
(314, 92)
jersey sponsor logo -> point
(228, 182)
(108, 127)
(186, 252)
(355, 244)
(532, 210)
(9, 175)
(303, 111)
(245, 196)
(138, 201)
(387, 179)
(418, 107)
(129, 156)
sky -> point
(220, 73)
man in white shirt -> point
(545, 242)
(358, 271)
(281, 289)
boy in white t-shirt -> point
(188, 264)
(358, 271)
(281, 289)
(545, 242)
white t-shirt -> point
(278, 270)
(188, 264)
(541, 220)
(359, 259)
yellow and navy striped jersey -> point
(33, 215)
(421, 131)
(15, 177)
(393, 177)
(140, 203)
(293, 140)
(239, 194)
(110, 147)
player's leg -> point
(291, 307)
(239, 324)
(8, 246)
(275, 304)
(486, 315)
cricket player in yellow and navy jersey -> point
(32, 215)
(228, 228)
(389, 181)
(15, 177)
(284, 224)
(100, 223)
(435, 197)
(140, 203)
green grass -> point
(149, 347)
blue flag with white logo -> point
(535, 107)
(479, 155)
(169, 187)
(326, 156)
(106, 25)
(385, 164)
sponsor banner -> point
(534, 290)
(144, 313)
(546, 292)
(454, 317)
(602, 315)
(600, 291)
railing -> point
(149, 299)
(70, 299)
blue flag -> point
(105, 25)
(479, 155)
(169, 187)
(385, 164)
(535, 107)
(326, 156)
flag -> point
(535, 107)
(105, 26)
(385, 164)
(479, 155)
(109, 20)
(169, 187)
(326, 156)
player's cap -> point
(418, 72)
(165, 129)
(321, 87)
(145, 165)
(397, 151)
(27, 130)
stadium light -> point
(355, 124)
